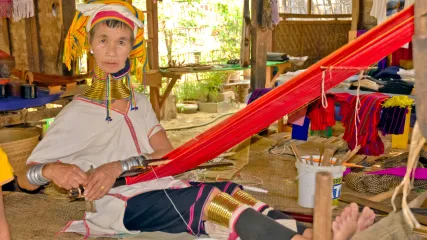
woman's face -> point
(111, 46)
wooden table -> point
(157, 101)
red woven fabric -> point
(401, 54)
(6, 8)
(321, 117)
(304, 88)
(369, 115)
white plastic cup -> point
(307, 181)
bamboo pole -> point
(322, 225)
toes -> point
(354, 210)
(346, 211)
(335, 226)
(338, 219)
(366, 212)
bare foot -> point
(308, 233)
(345, 225)
(366, 219)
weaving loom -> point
(301, 90)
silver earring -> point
(91, 51)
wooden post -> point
(259, 46)
(153, 35)
(245, 45)
(322, 225)
(420, 58)
(33, 46)
(6, 35)
(355, 12)
(153, 52)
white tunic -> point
(80, 135)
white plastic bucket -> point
(307, 181)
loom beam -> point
(298, 92)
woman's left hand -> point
(101, 180)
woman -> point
(81, 137)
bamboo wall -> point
(18, 39)
(4, 36)
(37, 42)
(315, 39)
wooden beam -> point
(24, 117)
(168, 90)
(153, 34)
(259, 46)
(355, 12)
(294, 15)
(155, 100)
(322, 224)
(245, 44)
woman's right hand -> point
(64, 175)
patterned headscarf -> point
(94, 11)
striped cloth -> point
(369, 114)
(393, 120)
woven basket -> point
(18, 143)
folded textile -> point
(397, 87)
(365, 85)
(273, 56)
(369, 115)
(406, 73)
(387, 73)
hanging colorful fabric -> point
(301, 132)
(22, 9)
(393, 114)
(5, 8)
(401, 141)
(321, 117)
(298, 116)
(369, 115)
(392, 120)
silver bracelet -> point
(35, 175)
(131, 162)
